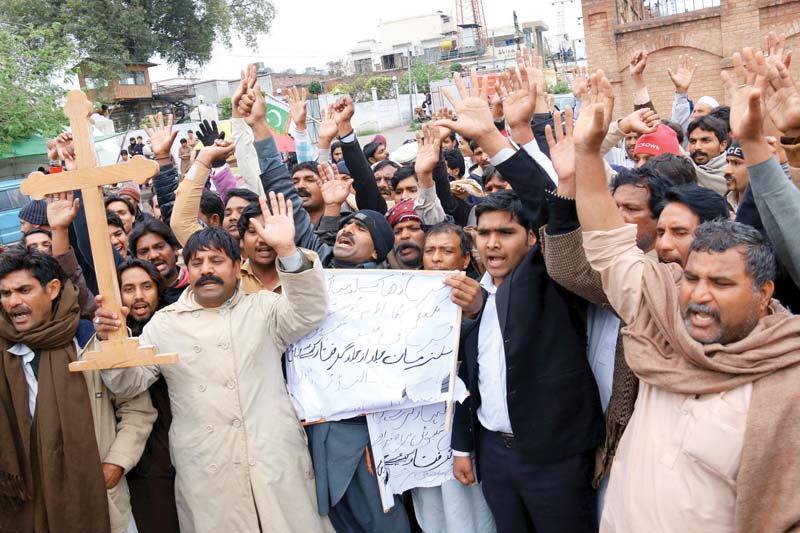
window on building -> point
(132, 77)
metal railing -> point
(640, 10)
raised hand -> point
(248, 80)
(429, 145)
(641, 121)
(343, 110)
(253, 108)
(443, 113)
(518, 93)
(774, 48)
(64, 150)
(277, 231)
(474, 116)
(747, 115)
(335, 188)
(161, 137)
(578, 85)
(782, 99)
(595, 117)
(297, 106)
(327, 128)
(61, 209)
(562, 152)
(682, 76)
(209, 132)
(638, 63)
(215, 154)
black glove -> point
(164, 186)
(208, 134)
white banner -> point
(389, 341)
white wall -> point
(379, 115)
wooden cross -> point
(119, 350)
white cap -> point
(709, 100)
(405, 154)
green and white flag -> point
(277, 114)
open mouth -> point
(495, 261)
(700, 319)
(346, 241)
(140, 308)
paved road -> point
(394, 137)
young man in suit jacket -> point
(533, 419)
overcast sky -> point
(308, 33)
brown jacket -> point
(566, 264)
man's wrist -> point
(345, 129)
(492, 142)
(332, 210)
(286, 250)
(261, 130)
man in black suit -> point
(533, 419)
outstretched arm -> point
(367, 194)
(609, 244)
(274, 174)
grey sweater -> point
(778, 203)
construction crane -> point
(471, 24)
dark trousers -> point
(528, 497)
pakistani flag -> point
(277, 114)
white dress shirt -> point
(493, 411)
(27, 355)
(603, 332)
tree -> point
(422, 74)
(383, 86)
(456, 67)
(111, 33)
(315, 88)
(33, 59)
(561, 87)
(225, 108)
(338, 68)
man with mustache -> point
(408, 235)
(346, 485)
(153, 241)
(65, 441)
(716, 356)
(708, 138)
(307, 182)
(239, 451)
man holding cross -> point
(240, 454)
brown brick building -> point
(709, 30)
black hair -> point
(723, 234)
(305, 165)
(674, 126)
(112, 219)
(334, 146)
(406, 171)
(675, 169)
(385, 163)
(151, 225)
(453, 136)
(712, 124)
(488, 173)
(705, 203)
(43, 267)
(123, 152)
(508, 202)
(473, 145)
(211, 204)
(147, 266)
(240, 192)
(371, 148)
(251, 211)
(111, 198)
(184, 141)
(34, 231)
(723, 113)
(448, 228)
(454, 159)
(637, 177)
(211, 239)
